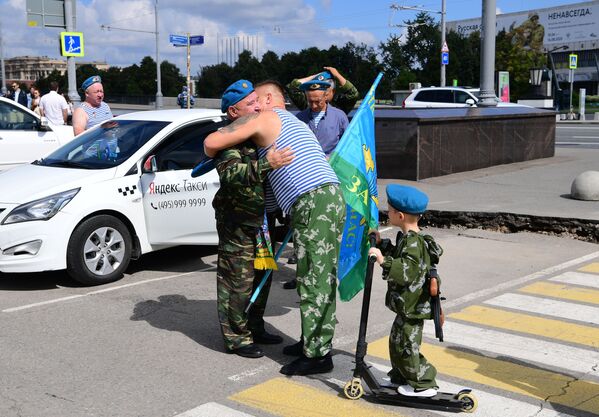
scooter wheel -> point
(469, 402)
(353, 389)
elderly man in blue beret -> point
(93, 110)
(240, 218)
(342, 93)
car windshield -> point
(107, 146)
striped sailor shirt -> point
(308, 170)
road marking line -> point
(524, 323)
(527, 349)
(585, 295)
(285, 397)
(578, 278)
(519, 281)
(492, 405)
(592, 267)
(213, 409)
(555, 308)
(585, 137)
(248, 373)
(532, 382)
(71, 297)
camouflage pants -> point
(408, 364)
(317, 220)
(235, 281)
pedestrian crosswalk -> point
(532, 350)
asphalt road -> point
(584, 135)
(150, 345)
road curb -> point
(580, 229)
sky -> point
(284, 25)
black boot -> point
(290, 285)
(248, 351)
(308, 366)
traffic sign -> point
(196, 40)
(71, 43)
(573, 61)
(178, 40)
(445, 58)
(444, 48)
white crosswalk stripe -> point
(578, 278)
(213, 410)
(553, 308)
(567, 358)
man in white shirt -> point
(54, 106)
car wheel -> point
(99, 250)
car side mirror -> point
(43, 125)
(470, 102)
(150, 165)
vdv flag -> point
(354, 162)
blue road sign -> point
(178, 40)
(71, 44)
(196, 40)
(445, 58)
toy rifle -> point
(438, 316)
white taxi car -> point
(115, 192)
(25, 137)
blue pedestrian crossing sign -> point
(573, 61)
(71, 43)
(445, 58)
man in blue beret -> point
(406, 267)
(240, 217)
(184, 99)
(342, 93)
(93, 110)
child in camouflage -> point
(405, 267)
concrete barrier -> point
(586, 186)
(414, 144)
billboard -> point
(572, 23)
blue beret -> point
(234, 93)
(90, 81)
(315, 85)
(323, 76)
(406, 199)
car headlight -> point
(42, 209)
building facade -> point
(28, 69)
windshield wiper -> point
(67, 164)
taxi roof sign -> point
(573, 61)
(71, 44)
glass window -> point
(462, 96)
(106, 146)
(184, 149)
(13, 118)
(426, 95)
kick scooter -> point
(464, 400)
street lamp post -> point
(158, 77)
(158, 103)
(443, 30)
(487, 54)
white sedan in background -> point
(115, 192)
(25, 137)
(447, 97)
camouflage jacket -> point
(345, 96)
(240, 198)
(405, 268)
